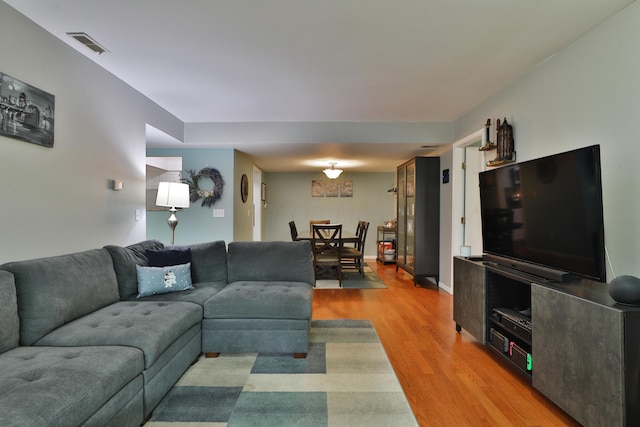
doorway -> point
(257, 204)
(468, 161)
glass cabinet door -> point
(401, 225)
(410, 214)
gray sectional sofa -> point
(79, 346)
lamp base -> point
(173, 222)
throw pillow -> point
(162, 280)
(167, 257)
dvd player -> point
(513, 321)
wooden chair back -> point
(327, 238)
(317, 221)
(294, 230)
(362, 236)
(326, 243)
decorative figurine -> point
(504, 144)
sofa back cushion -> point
(208, 261)
(125, 260)
(270, 261)
(56, 290)
(10, 329)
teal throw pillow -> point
(162, 280)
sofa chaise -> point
(82, 344)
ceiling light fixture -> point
(332, 173)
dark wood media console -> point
(579, 347)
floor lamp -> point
(173, 195)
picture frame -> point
(331, 189)
(346, 188)
(26, 112)
(317, 188)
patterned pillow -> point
(162, 280)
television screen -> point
(547, 212)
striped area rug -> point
(346, 380)
(353, 280)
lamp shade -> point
(332, 173)
(173, 195)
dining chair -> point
(358, 228)
(294, 230)
(326, 244)
(353, 257)
(317, 221)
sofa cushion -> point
(198, 295)
(151, 326)
(10, 329)
(208, 261)
(162, 280)
(261, 300)
(166, 257)
(270, 261)
(63, 386)
(57, 290)
(125, 260)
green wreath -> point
(209, 197)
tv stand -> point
(580, 349)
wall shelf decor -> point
(504, 145)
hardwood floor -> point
(449, 378)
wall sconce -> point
(117, 185)
(332, 173)
(173, 195)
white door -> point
(474, 160)
(257, 204)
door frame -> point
(257, 204)
(458, 188)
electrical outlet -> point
(218, 213)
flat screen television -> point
(545, 216)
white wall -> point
(589, 93)
(57, 200)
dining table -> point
(347, 237)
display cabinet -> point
(418, 216)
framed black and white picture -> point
(26, 112)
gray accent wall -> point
(289, 199)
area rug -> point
(346, 380)
(353, 280)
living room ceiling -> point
(329, 61)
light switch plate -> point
(218, 213)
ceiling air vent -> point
(88, 42)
